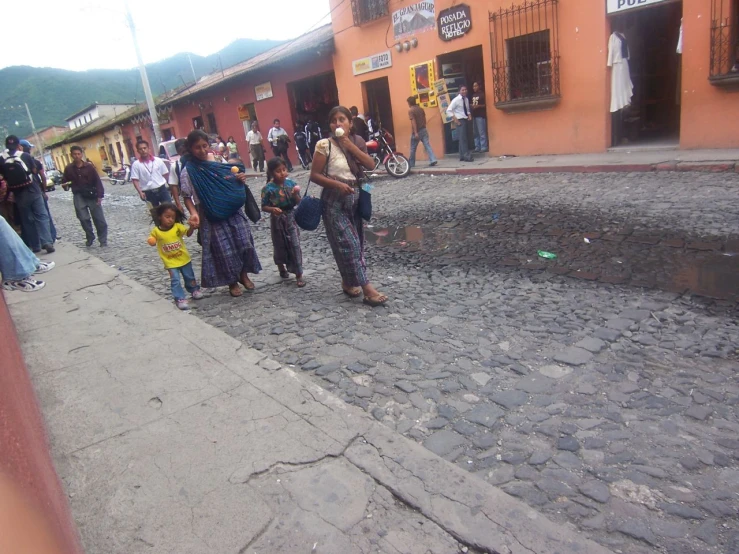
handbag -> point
(364, 205)
(251, 207)
(308, 212)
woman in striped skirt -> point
(336, 167)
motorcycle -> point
(120, 176)
(381, 147)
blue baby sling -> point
(221, 194)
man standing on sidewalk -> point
(459, 111)
(278, 138)
(256, 148)
(18, 170)
(419, 132)
(150, 176)
(87, 195)
(479, 118)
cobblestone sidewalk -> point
(611, 406)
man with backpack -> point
(29, 235)
(18, 169)
(87, 193)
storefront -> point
(544, 67)
(312, 99)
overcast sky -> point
(92, 34)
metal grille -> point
(724, 37)
(369, 10)
(525, 47)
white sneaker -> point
(182, 304)
(43, 267)
(197, 294)
(24, 285)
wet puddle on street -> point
(710, 274)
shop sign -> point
(618, 6)
(454, 22)
(372, 63)
(263, 91)
(422, 80)
(415, 18)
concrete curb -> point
(705, 167)
(115, 476)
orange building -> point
(543, 67)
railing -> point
(724, 39)
(525, 52)
(368, 10)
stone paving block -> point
(443, 442)
(619, 324)
(591, 344)
(510, 399)
(484, 414)
(610, 335)
(535, 383)
(573, 356)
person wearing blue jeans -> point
(17, 262)
(34, 215)
(419, 132)
(479, 118)
(191, 284)
(158, 196)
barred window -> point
(365, 11)
(724, 63)
(525, 52)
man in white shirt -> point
(279, 145)
(459, 111)
(256, 148)
(150, 175)
(174, 174)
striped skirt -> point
(286, 242)
(345, 233)
(228, 250)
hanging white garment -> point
(680, 39)
(622, 89)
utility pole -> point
(192, 68)
(39, 144)
(145, 81)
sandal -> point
(248, 285)
(284, 274)
(375, 301)
(354, 292)
(234, 290)
(24, 285)
(300, 282)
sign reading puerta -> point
(455, 22)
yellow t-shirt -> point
(171, 248)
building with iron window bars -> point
(543, 67)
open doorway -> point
(653, 118)
(311, 100)
(463, 67)
(377, 98)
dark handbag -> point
(308, 211)
(364, 206)
(251, 207)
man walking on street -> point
(479, 118)
(87, 195)
(419, 132)
(18, 170)
(278, 138)
(180, 146)
(150, 176)
(256, 148)
(459, 111)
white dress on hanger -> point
(622, 89)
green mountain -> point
(53, 94)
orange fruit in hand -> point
(234, 169)
(152, 241)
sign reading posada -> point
(454, 22)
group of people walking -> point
(214, 195)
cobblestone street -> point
(600, 387)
